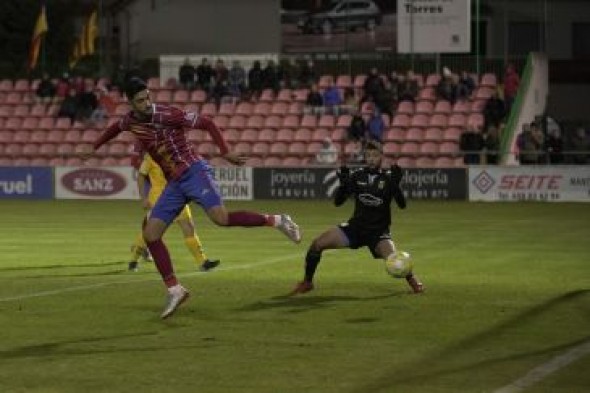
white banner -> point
(95, 183)
(530, 183)
(235, 183)
(433, 26)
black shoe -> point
(209, 265)
(133, 266)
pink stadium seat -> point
(462, 106)
(65, 149)
(13, 123)
(278, 148)
(291, 121)
(72, 136)
(438, 120)
(406, 107)
(424, 162)
(180, 97)
(14, 98)
(59, 161)
(303, 135)
(419, 120)
(327, 121)
(291, 162)
(195, 135)
(343, 120)
(320, 134)
(313, 148)
(80, 147)
(226, 108)
(279, 108)
(209, 109)
(272, 161)
(21, 161)
(442, 106)
(296, 108)
(244, 108)
(38, 110)
(222, 121)
(192, 108)
(386, 119)
(56, 136)
(415, 134)
(284, 135)
(255, 121)
(452, 134)
(21, 110)
(478, 105)
(37, 136)
(122, 109)
(432, 80)
(21, 136)
(488, 80)
(62, 123)
(457, 120)
(117, 149)
(401, 121)
(30, 149)
(427, 94)
(426, 107)
(48, 149)
(252, 162)
(395, 134)
(267, 95)
(198, 96)
(52, 110)
(209, 148)
(410, 148)
(351, 148)
(153, 83)
(483, 93)
(300, 95)
(91, 162)
(74, 161)
(343, 81)
(262, 108)
(433, 134)
(476, 120)
(237, 121)
(273, 121)
(359, 81)
(325, 81)
(89, 136)
(285, 95)
(430, 148)
(458, 162)
(6, 111)
(391, 148)
(6, 85)
(231, 135)
(448, 148)
(297, 148)
(444, 162)
(338, 134)
(39, 161)
(309, 121)
(260, 148)
(267, 135)
(109, 161)
(249, 135)
(163, 97)
(406, 162)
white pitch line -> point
(540, 372)
(104, 284)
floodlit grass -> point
(508, 289)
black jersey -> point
(372, 190)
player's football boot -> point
(133, 266)
(415, 284)
(289, 228)
(175, 299)
(302, 287)
(146, 256)
(209, 265)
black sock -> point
(312, 259)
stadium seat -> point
(56, 136)
(244, 108)
(406, 162)
(291, 121)
(226, 108)
(6, 111)
(476, 120)
(13, 98)
(260, 148)
(52, 110)
(391, 148)
(395, 134)
(153, 83)
(192, 107)
(291, 162)
(249, 135)
(438, 120)
(442, 106)
(424, 162)
(444, 162)
(21, 136)
(279, 108)
(338, 134)
(300, 95)
(419, 120)
(427, 94)
(21, 161)
(278, 148)
(406, 107)
(297, 148)
(313, 148)
(73, 136)
(222, 121)
(267, 135)
(478, 105)
(38, 110)
(415, 134)
(163, 97)
(231, 135)
(180, 97)
(343, 81)
(74, 161)
(117, 149)
(273, 121)
(65, 148)
(251, 162)
(296, 108)
(262, 108)
(410, 148)
(462, 106)
(6, 85)
(37, 136)
(285, 95)
(284, 135)
(89, 136)
(458, 162)
(198, 96)
(272, 161)
(303, 135)
(457, 120)
(426, 107)
(194, 135)
(351, 148)
(320, 134)
(48, 149)
(488, 80)
(448, 148)
(209, 148)
(108, 161)
(39, 161)
(30, 149)
(325, 81)
(309, 121)
(267, 95)
(359, 81)
(237, 121)
(401, 121)
(452, 134)
(432, 80)
(209, 109)
(13, 123)
(343, 120)
(326, 121)
(483, 93)
(255, 121)
(428, 148)
(21, 111)
(433, 134)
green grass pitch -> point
(508, 290)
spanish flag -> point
(84, 45)
(38, 33)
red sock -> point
(163, 263)
(249, 219)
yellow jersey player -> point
(150, 171)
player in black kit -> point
(373, 189)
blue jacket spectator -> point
(332, 99)
(376, 126)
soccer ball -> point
(399, 265)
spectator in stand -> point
(186, 75)
(314, 103)
(554, 145)
(494, 111)
(237, 79)
(530, 145)
(373, 85)
(332, 99)
(471, 143)
(308, 75)
(87, 103)
(491, 145)
(118, 79)
(465, 86)
(394, 86)
(375, 126)
(106, 106)
(69, 106)
(287, 71)
(255, 79)
(357, 129)
(220, 78)
(580, 145)
(62, 89)
(408, 87)
(205, 75)
(46, 89)
(447, 88)
(385, 100)
(270, 77)
(511, 83)
(351, 102)
(328, 154)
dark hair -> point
(134, 86)
(372, 144)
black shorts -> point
(359, 237)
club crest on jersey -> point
(370, 200)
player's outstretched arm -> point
(343, 191)
(396, 175)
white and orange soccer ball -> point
(399, 264)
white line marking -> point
(104, 284)
(540, 372)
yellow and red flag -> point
(38, 33)
(84, 45)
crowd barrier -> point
(475, 183)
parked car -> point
(342, 14)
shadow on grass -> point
(429, 368)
